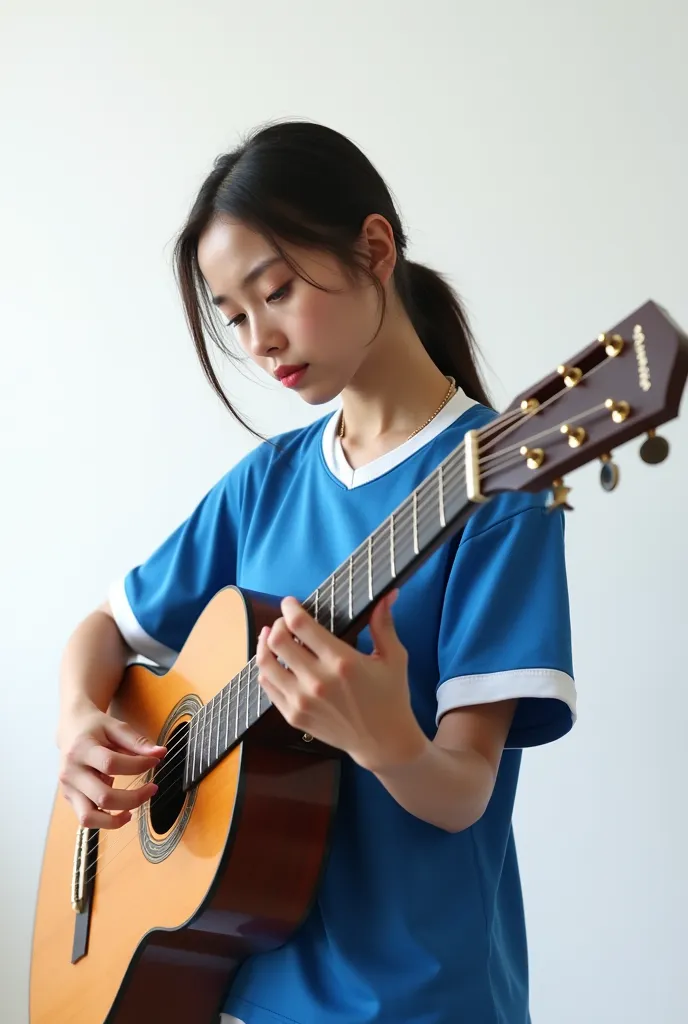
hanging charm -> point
(654, 449)
(609, 474)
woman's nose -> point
(266, 339)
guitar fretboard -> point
(386, 558)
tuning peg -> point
(609, 474)
(560, 495)
(654, 449)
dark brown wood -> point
(270, 877)
(654, 343)
(275, 855)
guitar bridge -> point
(79, 869)
(83, 877)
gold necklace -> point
(449, 394)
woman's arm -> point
(360, 703)
(448, 782)
(93, 663)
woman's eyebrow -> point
(251, 277)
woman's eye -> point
(281, 293)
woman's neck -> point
(393, 394)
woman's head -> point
(305, 206)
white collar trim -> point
(340, 468)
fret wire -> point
(332, 604)
(236, 713)
(415, 522)
(217, 738)
(351, 576)
(241, 701)
(317, 595)
(254, 692)
(188, 774)
(370, 568)
(229, 704)
(391, 544)
(201, 739)
(209, 730)
(248, 701)
(195, 747)
(443, 521)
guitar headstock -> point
(625, 384)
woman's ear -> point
(377, 247)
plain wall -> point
(539, 154)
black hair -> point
(304, 184)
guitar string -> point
(498, 465)
(235, 693)
(400, 539)
(559, 394)
(115, 848)
(225, 711)
(99, 868)
(496, 430)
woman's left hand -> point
(359, 703)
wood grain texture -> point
(167, 937)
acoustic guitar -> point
(148, 923)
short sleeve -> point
(505, 631)
(157, 603)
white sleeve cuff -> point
(134, 634)
(487, 688)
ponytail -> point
(439, 319)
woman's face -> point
(280, 320)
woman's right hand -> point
(94, 747)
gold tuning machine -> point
(620, 410)
(613, 345)
(609, 474)
(576, 435)
(654, 449)
(572, 375)
(534, 456)
(560, 496)
(530, 405)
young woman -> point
(294, 249)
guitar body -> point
(214, 872)
(205, 879)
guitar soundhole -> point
(168, 802)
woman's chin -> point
(317, 395)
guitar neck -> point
(343, 602)
(628, 381)
(394, 551)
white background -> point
(539, 154)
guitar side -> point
(174, 912)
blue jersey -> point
(412, 925)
